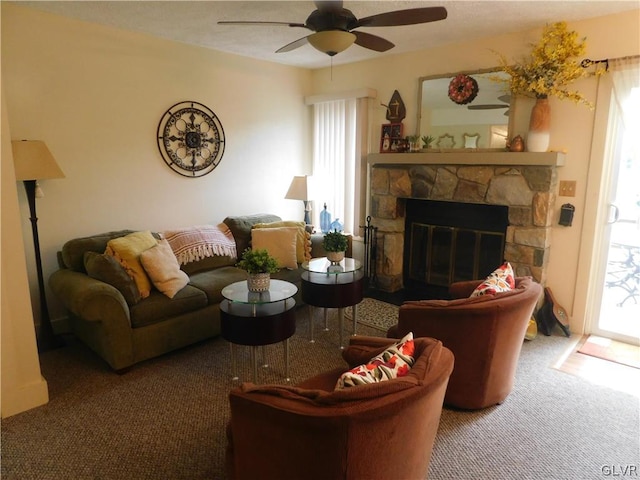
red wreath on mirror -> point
(463, 89)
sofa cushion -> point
(161, 265)
(157, 307)
(73, 251)
(279, 242)
(393, 362)
(127, 251)
(303, 238)
(500, 280)
(107, 269)
(213, 281)
(208, 263)
(241, 228)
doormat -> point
(611, 350)
(375, 314)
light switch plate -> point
(567, 188)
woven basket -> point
(258, 282)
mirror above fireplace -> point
(487, 117)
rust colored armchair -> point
(484, 333)
(309, 431)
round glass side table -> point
(333, 285)
(258, 319)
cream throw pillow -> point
(163, 269)
(127, 251)
(303, 238)
(279, 242)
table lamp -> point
(33, 161)
(298, 190)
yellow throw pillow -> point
(127, 251)
(279, 242)
(303, 238)
(163, 269)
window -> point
(340, 142)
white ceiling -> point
(195, 22)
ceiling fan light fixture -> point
(331, 42)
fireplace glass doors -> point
(447, 242)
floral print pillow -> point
(395, 361)
(500, 280)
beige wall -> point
(572, 125)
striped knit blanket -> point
(191, 244)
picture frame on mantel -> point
(390, 137)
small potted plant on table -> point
(259, 265)
(335, 243)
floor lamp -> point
(299, 190)
(33, 161)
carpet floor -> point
(165, 418)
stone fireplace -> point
(523, 182)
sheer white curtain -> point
(334, 161)
(625, 76)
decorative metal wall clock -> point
(191, 139)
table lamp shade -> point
(33, 161)
(298, 189)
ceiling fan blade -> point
(293, 45)
(486, 107)
(505, 98)
(372, 42)
(248, 22)
(329, 5)
(411, 16)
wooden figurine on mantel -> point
(396, 110)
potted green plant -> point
(259, 265)
(335, 243)
(427, 140)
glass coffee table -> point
(258, 319)
(333, 285)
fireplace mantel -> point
(468, 157)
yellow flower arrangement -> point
(550, 67)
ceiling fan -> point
(493, 106)
(334, 26)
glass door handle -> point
(616, 214)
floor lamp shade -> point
(299, 190)
(33, 161)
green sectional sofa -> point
(124, 334)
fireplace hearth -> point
(524, 193)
